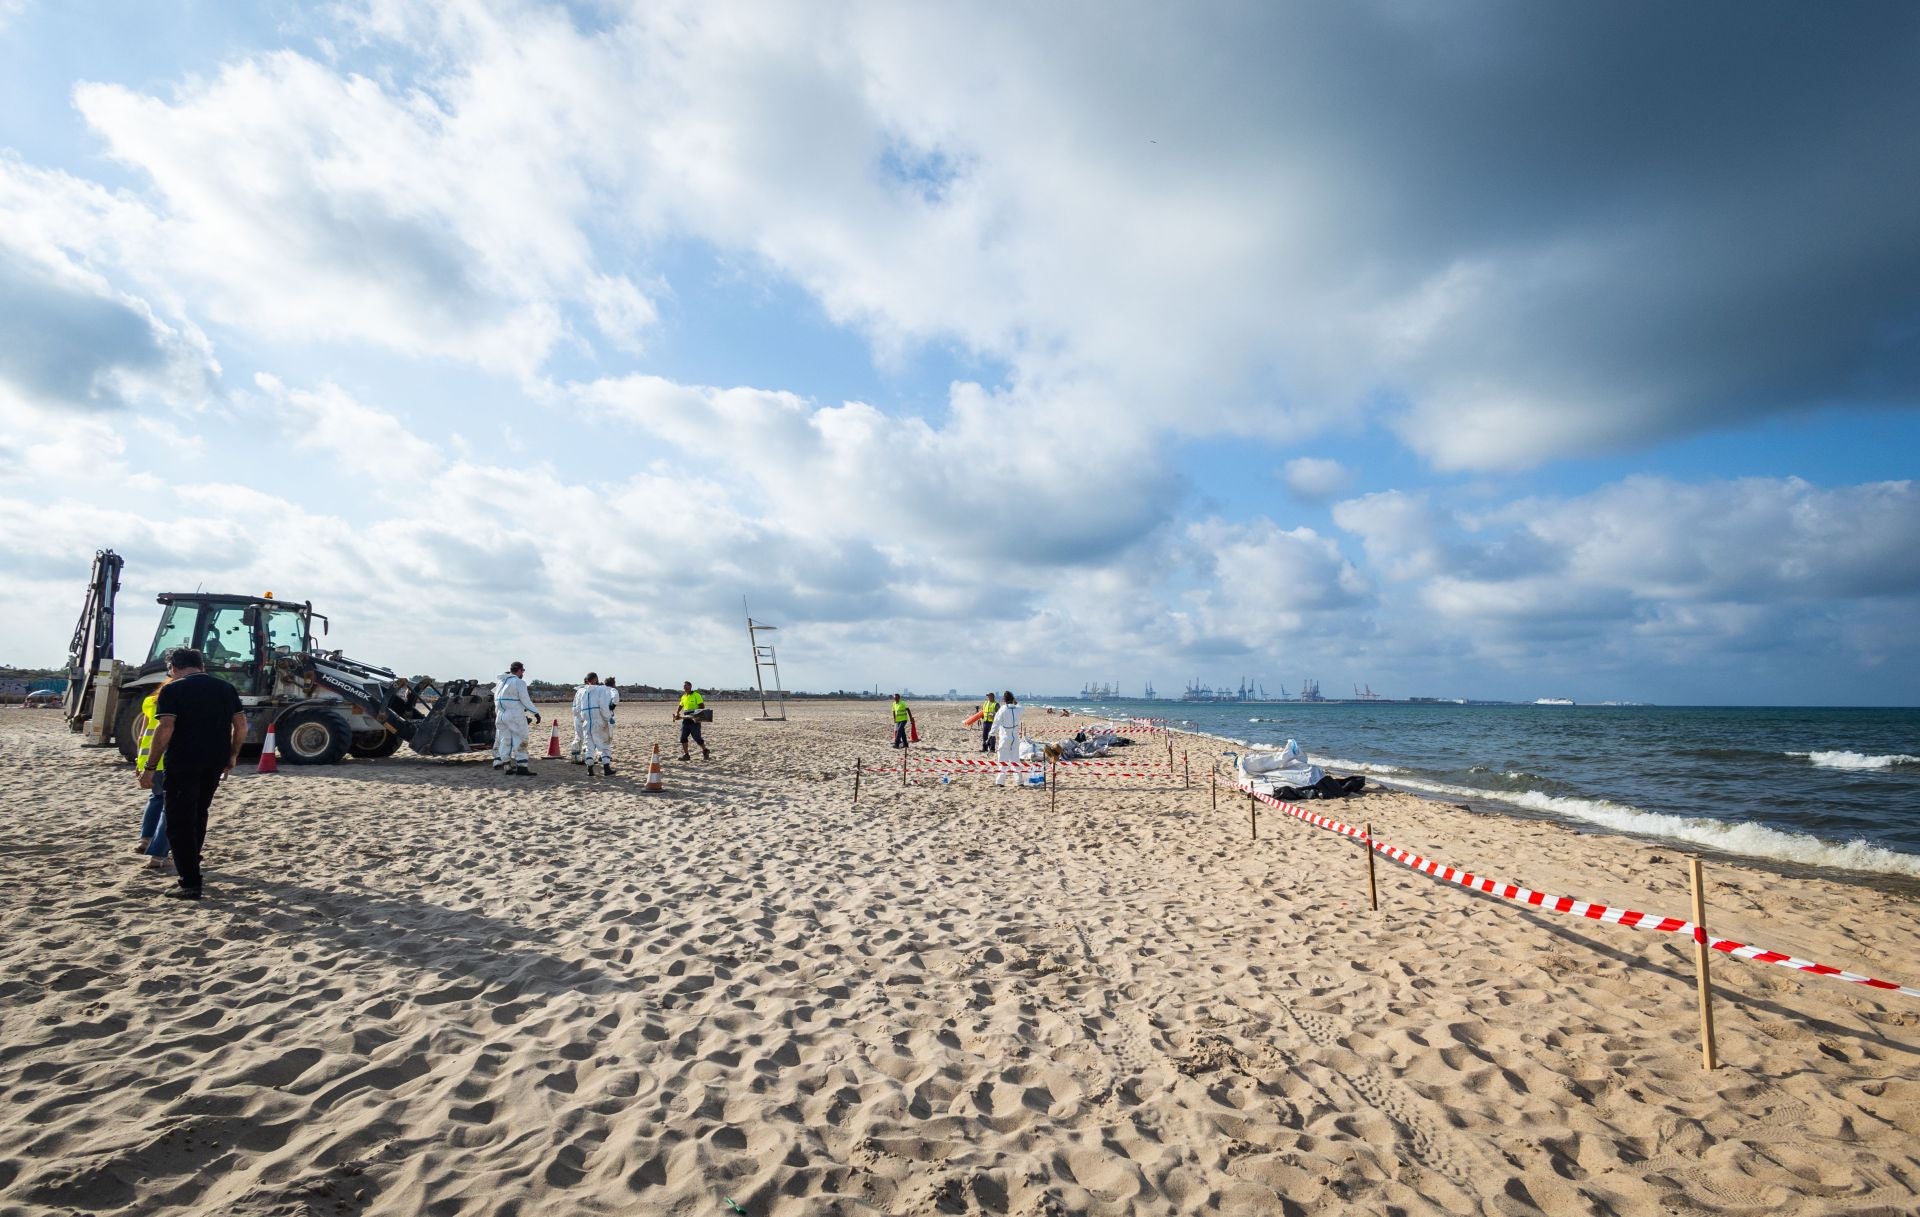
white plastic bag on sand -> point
(1287, 767)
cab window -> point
(226, 639)
(176, 629)
(286, 631)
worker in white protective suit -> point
(577, 751)
(1006, 734)
(596, 715)
(512, 703)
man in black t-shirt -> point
(201, 728)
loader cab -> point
(240, 636)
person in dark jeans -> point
(200, 733)
(692, 707)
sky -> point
(1491, 350)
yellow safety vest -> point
(988, 709)
(151, 709)
(900, 712)
(689, 702)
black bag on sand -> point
(1328, 787)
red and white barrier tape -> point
(946, 764)
(967, 762)
(1567, 904)
(963, 762)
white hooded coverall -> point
(511, 705)
(579, 725)
(596, 715)
(1006, 733)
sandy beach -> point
(418, 988)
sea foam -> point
(1742, 837)
(1856, 760)
(1334, 762)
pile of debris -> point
(1289, 776)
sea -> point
(1829, 788)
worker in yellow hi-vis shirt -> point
(902, 721)
(692, 712)
(988, 709)
(153, 825)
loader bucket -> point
(460, 720)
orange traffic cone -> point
(656, 780)
(269, 762)
(553, 740)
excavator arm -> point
(90, 690)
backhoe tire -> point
(126, 724)
(372, 745)
(312, 737)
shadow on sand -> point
(484, 956)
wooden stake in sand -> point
(1186, 774)
(1253, 825)
(1053, 787)
(904, 749)
(1709, 1056)
(856, 781)
(1373, 893)
(1213, 787)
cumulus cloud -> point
(1221, 211)
(1402, 533)
(1263, 586)
(1179, 211)
(1316, 479)
(1752, 540)
(1652, 568)
(362, 439)
(71, 338)
(301, 202)
(1001, 480)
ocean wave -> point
(1334, 762)
(1856, 760)
(1742, 837)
